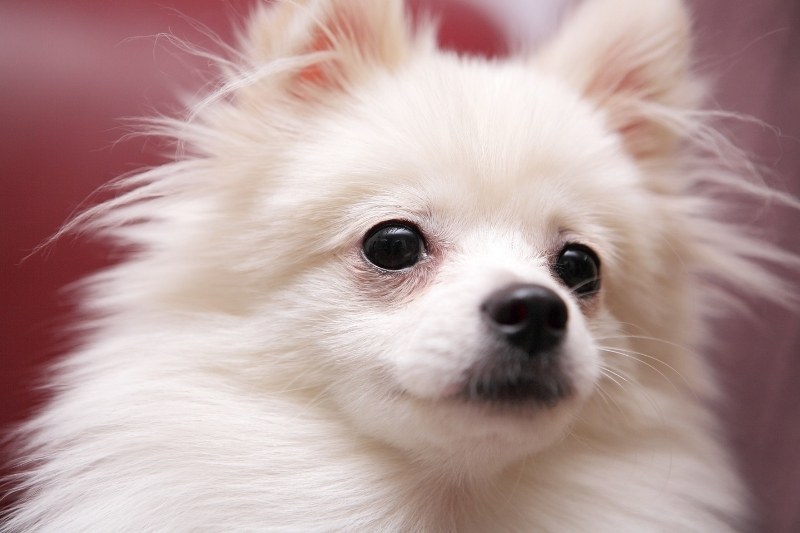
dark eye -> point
(579, 269)
(393, 246)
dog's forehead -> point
(470, 134)
(495, 121)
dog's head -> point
(449, 251)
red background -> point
(71, 69)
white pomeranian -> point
(388, 288)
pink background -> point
(753, 47)
(70, 72)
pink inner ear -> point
(619, 75)
(620, 79)
(643, 138)
(342, 28)
(315, 74)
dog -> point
(390, 288)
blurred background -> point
(72, 70)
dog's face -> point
(467, 223)
(442, 248)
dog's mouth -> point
(510, 378)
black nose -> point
(530, 317)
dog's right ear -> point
(629, 57)
(328, 44)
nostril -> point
(557, 315)
(531, 317)
(510, 313)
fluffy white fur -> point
(247, 370)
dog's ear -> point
(632, 59)
(332, 42)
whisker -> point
(650, 338)
(576, 288)
(634, 355)
(615, 376)
(609, 401)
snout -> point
(528, 323)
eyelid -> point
(580, 246)
(395, 222)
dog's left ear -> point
(631, 58)
(334, 42)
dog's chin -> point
(483, 424)
(508, 416)
(489, 432)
